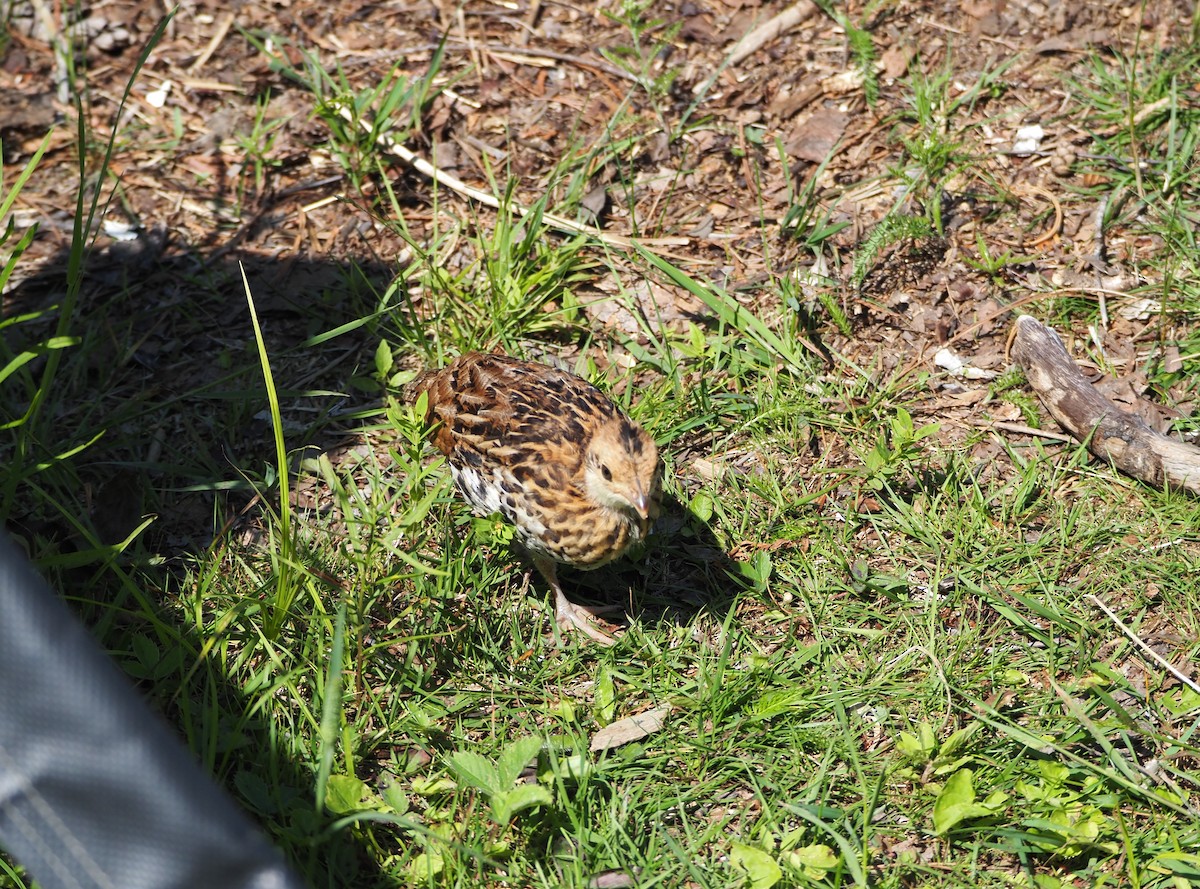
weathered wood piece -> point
(1110, 433)
(772, 29)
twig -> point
(771, 29)
(441, 177)
(1030, 298)
(461, 18)
(516, 52)
(1101, 251)
(222, 29)
(210, 86)
(61, 48)
(1159, 659)
(1056, 225)
(531, 52)
(530, 22)
(1100, 258)
(1022, 429)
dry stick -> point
(1110, 433)
(518, 52)
(59, 44)
(1022, 429)
(525, 53)
(530, 22)
(219, 35)
(441, 177)
(1101, 210)
(769, 30)
(1159, 659)
(1056, 226)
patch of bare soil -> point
(219, 161)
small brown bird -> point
(578, 480)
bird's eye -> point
(607, 473)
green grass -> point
(882, 660)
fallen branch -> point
(771, 29)
(1110, 433)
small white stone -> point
(120, 231)
(956, 367)
(1029, 139)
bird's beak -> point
(641, 503)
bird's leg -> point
(567, 614)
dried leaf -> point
(631, 728)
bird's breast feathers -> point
(557, 523)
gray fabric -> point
(95, 791)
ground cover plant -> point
(893, 629)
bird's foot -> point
(570, 616)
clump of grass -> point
(892, 229)
(1145, 139)
(934, 132)
(649, 41)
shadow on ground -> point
(166, 365)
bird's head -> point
(621, 470)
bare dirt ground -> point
(219, 160)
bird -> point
(579, 482)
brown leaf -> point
(896, 58)
(1074, 41)
(1172, 360)
(815, 136)
(631, 728)
(979, 9)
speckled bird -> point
(576, 478)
